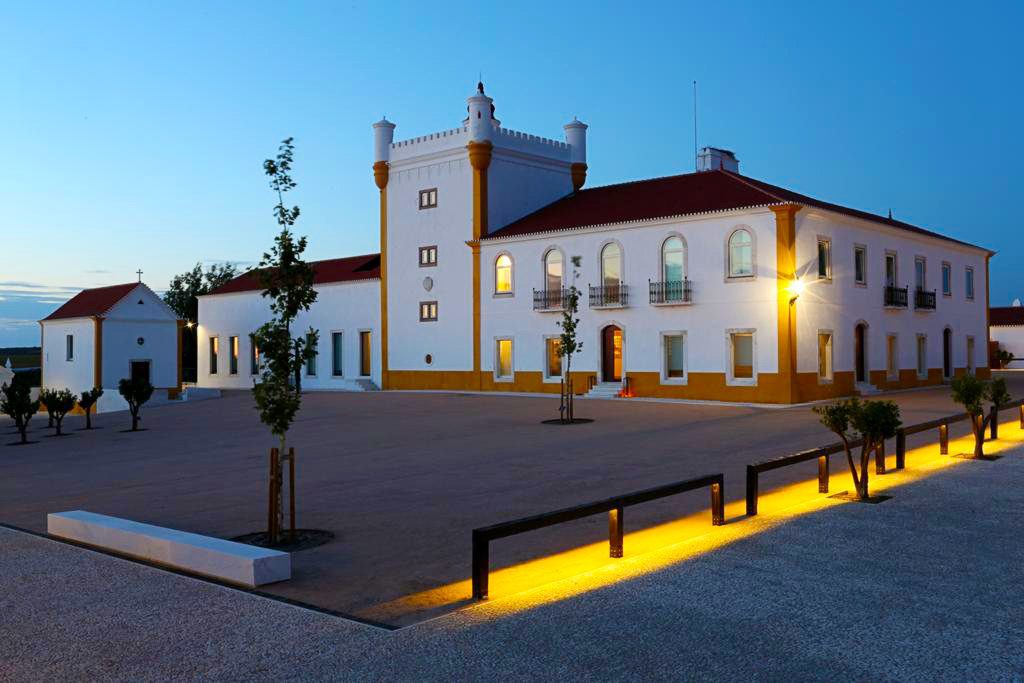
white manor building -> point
(708, 285)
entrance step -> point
(865, 389)
(605, 390)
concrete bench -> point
(235, 562)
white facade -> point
(76, 373)
(1011, 338)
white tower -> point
(481, 121)
(383, 136)
(576, 138)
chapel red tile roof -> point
(1005, 316)
(680, 195)
(90, 302)
(347, 269)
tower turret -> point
(576, 138)
(383, 135)
(481, 121)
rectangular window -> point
(428, 198)
(860, 265)
(825, 356)
(890, 270)
(254, 356)
(428, 257)
(69, 347)
(892, 357)
(824, 259)
(922, 356)
(365, 359)
(969, 282)
(214, 348)
(233, 357)
(503, 359)
(920, 271)
(553, 357)
(970, 355)
(428, 311)
(675, 360)
(311, 355)
(336, 368)
(947, 279)
(742, 355)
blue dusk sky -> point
(134, 132)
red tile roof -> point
(1004, 316)
(692, 193)
(90, 302)
(347, 269)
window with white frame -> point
(947, 279)
(891, 274)
(860, 265)
(611, 265)
(428, 256)
(311, 353)
(428, 311)
(892, 357)
(824, 258)
(741, 254)
(674, 350)
(922, 356)
(552, 357)
(553, 270)
(69, 347)
(214, 349)
(503, 359)
(825, 356)
(428, 198)
(673, 260)
(503, 274)
(969, 282)
(920, 273)
(337, 368)
(741, 357)
(232, 355)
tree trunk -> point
(88, 418)
(978, 426)
(865, 459)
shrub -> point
(16, 402)
(87, 401)
(871, 421)
(135, 392)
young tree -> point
(568, 343)
(59, 404)
(46, 397)
(16, 402)
(87, 401)
(136, 392)
(1004, 357)
(971, 393)
(871, 421)
(287, 281)
(182, 296)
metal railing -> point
(924, 300)
(896, 296)
(549, 299)
(607, 296)
(678, 292)
(614, 506)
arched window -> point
(503, 275)
(672, 260)
(611, 265)
(741, 254)
(553, 270)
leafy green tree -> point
(136, 392)
(287, 281)
(87, 401)
(16, 402)
(568, 343)
(871, 421)
(1004, 357)
(971, 393)
(182, 296)
(59, 404)
(47, 398)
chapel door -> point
(140, 370)
(611, 354)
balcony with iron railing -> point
(670, 293)
(895, 297)
(550, 299)
(609, 296)
(924, 300)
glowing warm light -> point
(580, 570)
(795, 288)
(190, 324)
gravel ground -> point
(923, 587)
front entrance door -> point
(860, 353)
(611, 354)
(140, 370)
(364, 354)
(947, 353)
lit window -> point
(969, 284)
(553, 356)
(825, 356)
(428, 311)
(311, 355)
(947, 279)
(254, 356)
(233, 355)
(920, 271)
(675, 361)
(742, 355)
(922, 356)
(611, 265)
(892, 358)
(336, 368)
(428, 257)
(69, 347)
(824, 259)
(503, 275)
(214, 348)
(553, 270)
(860, 265)
(428, 198)
(503, 365)
(741, 254)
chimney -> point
(715, 159)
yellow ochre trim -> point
(988, 330)
(380, 177)
(785, 269)
(480, 160)
(579, 175)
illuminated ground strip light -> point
(579, 570)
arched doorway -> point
(860, 356)
(947, 353)
(611, 354)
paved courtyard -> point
(923, 587)
(402, 478)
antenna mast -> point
(695, 126)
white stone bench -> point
(235, 562)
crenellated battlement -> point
(429, 138)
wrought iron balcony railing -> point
(924, 300)
(677, 292)
(896, 297)
(610, 296)
(549, 299)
